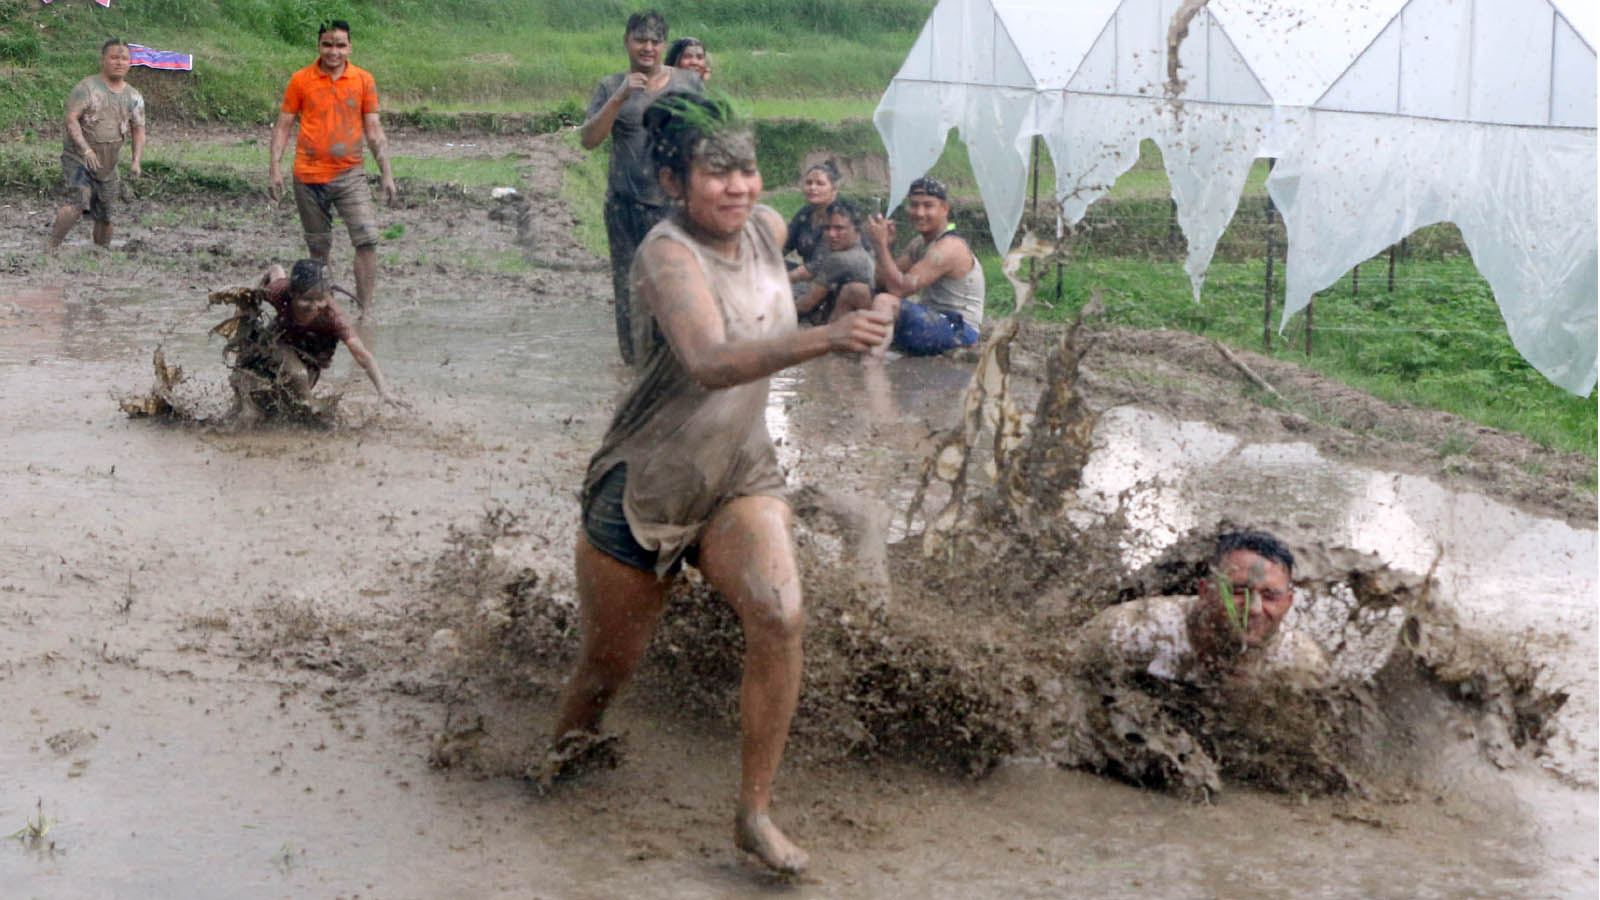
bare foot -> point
(571, 755)
(755, 834)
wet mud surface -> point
(294, 662)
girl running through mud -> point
(687, 471)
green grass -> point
(477, 52)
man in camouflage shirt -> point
(102, 111)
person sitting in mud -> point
(689, 53)
(841, 280)
(291, 354)
(1229, 630)
(687, 471)
(935, 289)
(820, 184)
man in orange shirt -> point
(337, 104)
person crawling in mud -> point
(687, 471)
(841, 279)
(1231, 629)
(935, 290)
(289, 357)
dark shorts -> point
(92, 195)
(348, 193)
(627, 223)
(606, 526)
(920, 331)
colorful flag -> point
(160, 59)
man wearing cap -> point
(934, 290)
(635, 200)
(337, 105)
(301, 341)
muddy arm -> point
(280, 142)
(75, 107)
(135, 165)
(365, 360)
(373, 129)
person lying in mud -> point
(935, 289)
(840, 280)
(1231, 629)
(287, 358)
(687, 471)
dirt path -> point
(217, 662)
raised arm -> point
(670, 280)
(281, 130)
(946, 257)
(373, 129)
(594, 129)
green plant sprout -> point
(1237, 616)
(34, 830)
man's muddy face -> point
(305, 307)
(644, 50)
(1259, 585)
(333, 49)
(114, 62)
(928, 215)
(840, 233)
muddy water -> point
(134, 556)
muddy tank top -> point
(690, 450)
(962, 295)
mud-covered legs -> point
(619, 607)
(747, 554)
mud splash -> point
(915, 653)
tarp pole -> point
(1266, 305)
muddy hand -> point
(275, 186)
(91, 160)
(858, 332)
(391, 194)
(636, 81)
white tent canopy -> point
(1385, 115)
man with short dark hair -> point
(635, 200)
(103, 110)
(842, 276)
(337, 105)
(935, 289)
(1231, 627)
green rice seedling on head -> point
(1238, 616)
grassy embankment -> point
(811, 69)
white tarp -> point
(1307, 82)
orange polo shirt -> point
(330, 112)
